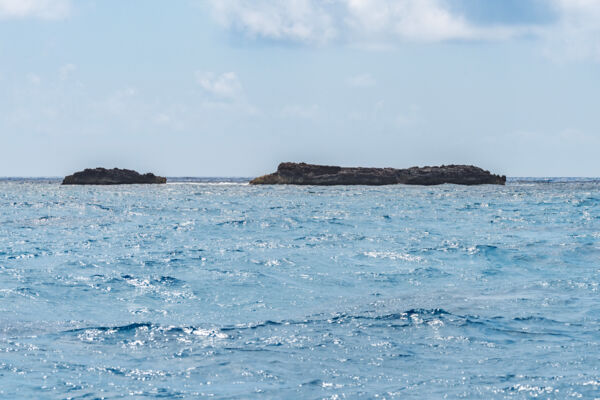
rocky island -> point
(115, 176)
(309, 174)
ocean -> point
(215, 288)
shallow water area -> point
(218, 288)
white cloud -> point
(44, 9)
(362, 81)
(66, 71)
(300, 111)
(352, 21)
(226, 85)
(380, 24)
(425, 20)
(162, 118)
(121, 100)
(577, 33)
(410, 117)
(34, 79)
(299, 20)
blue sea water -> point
(227, 290)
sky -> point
(233, 87)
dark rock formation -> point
(115, 176)
(308, 174)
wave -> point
(145, 328)
(558, 179)
(412, 317)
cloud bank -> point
(225, 85)
(42, 9)
(574, 25)
(320, 21)
(577, 33)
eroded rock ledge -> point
(310, 174)
(115, 176)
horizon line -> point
(252, 177)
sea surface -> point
(213, 288)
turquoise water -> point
(226, 290)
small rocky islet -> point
(114, 176)
(289, 173)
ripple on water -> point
(233, 291)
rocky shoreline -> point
(115, 176)
(309, 174)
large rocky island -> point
(309, 174)
(115, 176)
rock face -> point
(115, 176)
(309, 174)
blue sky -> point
(232, 87)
